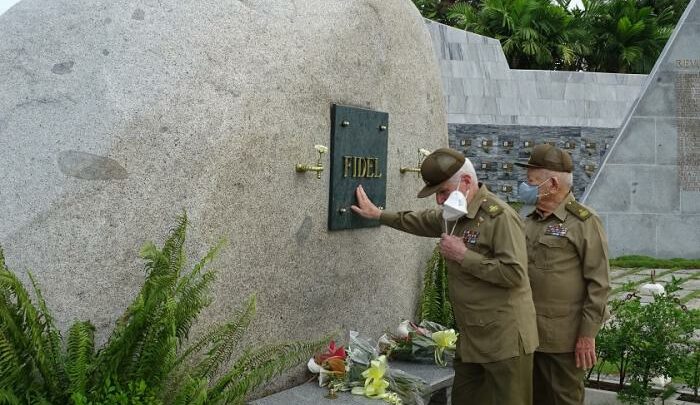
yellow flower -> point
(375, 384)
(445, 339)
(376, 370)
(376, 388)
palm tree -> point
(535, 34)
(629, 38)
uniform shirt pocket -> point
(557, 324)
(550, 249)
(486, 331)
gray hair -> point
(468, 169)
(567, 179)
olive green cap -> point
(439, 167)
(546, 156)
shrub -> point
(649, 340)
(147, 359)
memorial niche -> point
(359, 139)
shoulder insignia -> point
(491, 207)
(578, 210)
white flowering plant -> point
(424, 342)
(362, 370)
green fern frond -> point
(8, 397)
(434, 303)
(79, 356)
(51, 339)
(223, 344)
(172, 249)
(141, 341)
(26, 328)
(10, 364)
(157, 353)
(192, 293)
(192, 298)
(208, 258)
(193, 392)
(259, 366)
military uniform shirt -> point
(568, 268)
(489, 290)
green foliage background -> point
(621, 36)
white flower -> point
(321, 148)
(313, 366)
(403, 329)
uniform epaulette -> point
(578, 210)
(491, 207)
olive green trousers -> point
(505, 382)
(556, 380)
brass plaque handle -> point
(422, 154)
(318, 167)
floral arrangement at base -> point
(361, 370)
(425, 342)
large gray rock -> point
(648, 189)
(117, 115)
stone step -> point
(439, 380)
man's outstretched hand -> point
(365, 207)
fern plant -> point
(434, 304)
(148, 358)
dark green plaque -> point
(358, 156)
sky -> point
(5, 4)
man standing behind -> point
(488, 283)
(568, 268)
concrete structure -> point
(495, 114)
(648, 190)
(480, 88)
(116, 115)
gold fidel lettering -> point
(362, 167)
(347, 163)
(377, 173)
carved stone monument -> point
(117, 115)
(648, 189)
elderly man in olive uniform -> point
(568, 268)
(488, 282)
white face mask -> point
(454, 208)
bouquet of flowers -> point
(427, 341)
(362, 371)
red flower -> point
(332, 352)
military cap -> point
(439, 167)
(546, 156)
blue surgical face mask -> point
(529, 193)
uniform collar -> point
(560, 212)
(474, 205)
